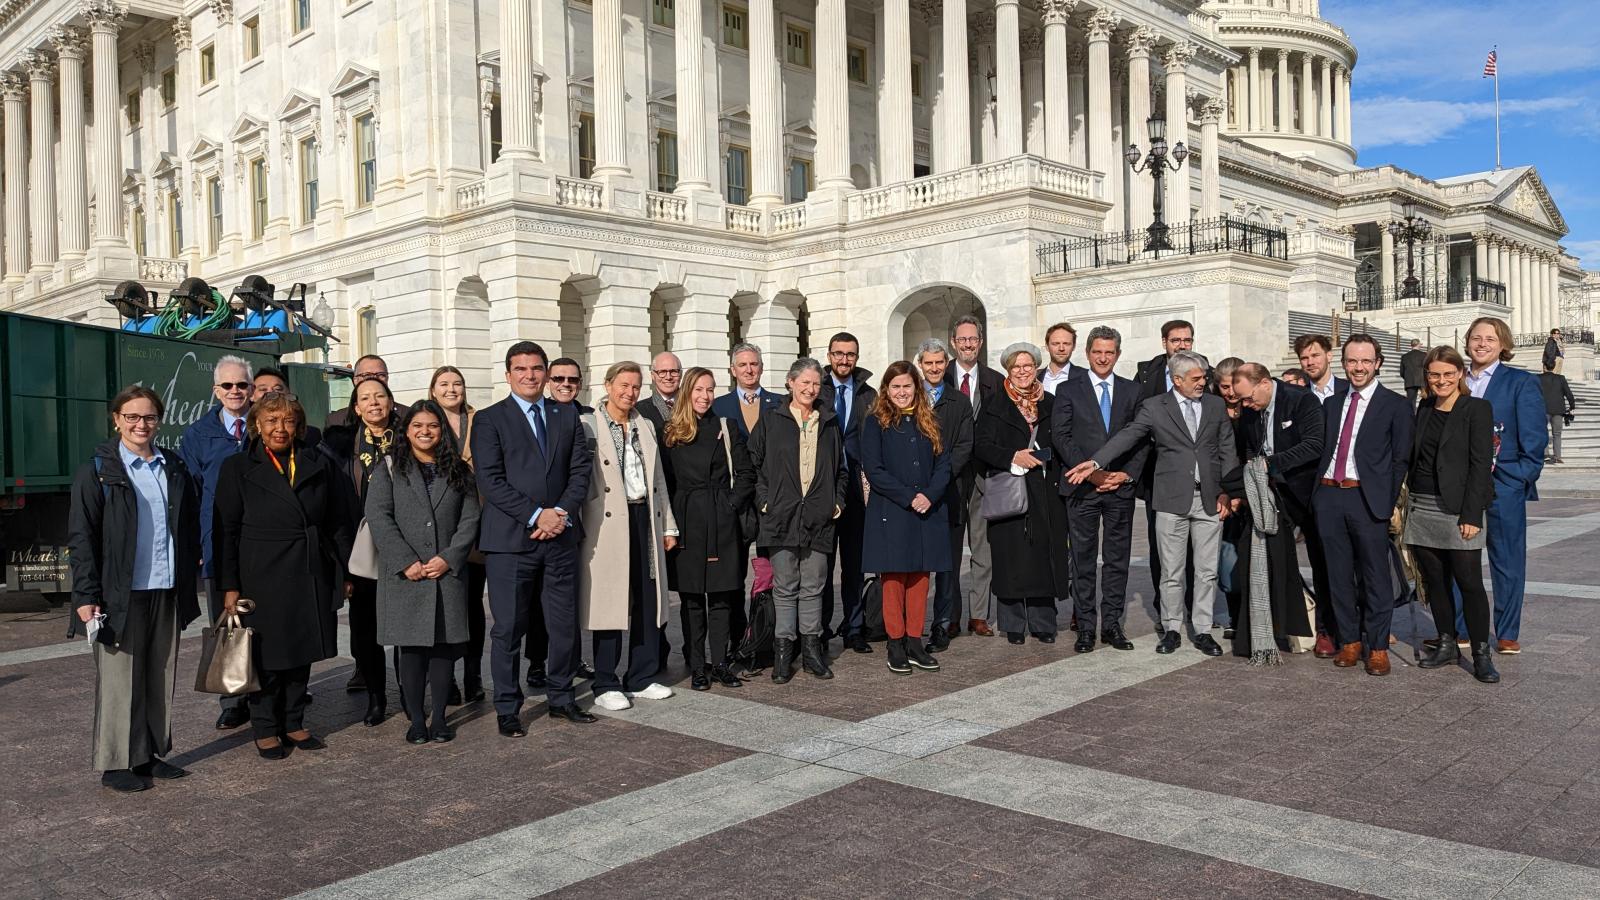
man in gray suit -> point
(1193, 440)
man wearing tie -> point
(1364, 460)
(848, 389)
(1089, 410)
(1315, 354)
(1155, 379)
(977, 383)
(748, 398)
(532, 467)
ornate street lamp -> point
(1157, 164)
(1412, 229)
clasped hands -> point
(425, 571)
(1104, 482)
(550, 524)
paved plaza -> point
(1015, 772)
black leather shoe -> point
(454, 699)
(443, 734)
(1443, 653)
(700, 681)
(356, 684)
(938, 639)
(1208, 645)
(584, 671)
(858, 643)
(918, 655)
(473, 690)
(895, 657)
(1113, 637)
(1169, 642)
(309, 742)
(572, 712)
(782, 660)
(511, 726)
(277, 751)
(1044, 637)
(1483, 664)
(1227, 634)
(416, 734)
(157, 768)
(233, 717)
(1084, 643)
(377, 710)
(724, 676)
(536, 678)
(814, 656)
(123, 781)
(1014, 637)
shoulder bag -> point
(749, 528)
(364, 552)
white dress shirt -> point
(1323, 394)
(1050, 378)
(1366, 394)
(1479, 384)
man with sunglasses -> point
(566, 384)
(205, 444)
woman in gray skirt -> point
(1452, 482)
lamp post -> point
(1157, 164)
(1411, 229)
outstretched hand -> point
(1080, 473)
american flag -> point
(1489, 66)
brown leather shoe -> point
(1378, 662)
(1324, 648)
(1508, 647)
(1348, 655)
(980, 628)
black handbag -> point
(749, 525)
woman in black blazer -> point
(1452, 482)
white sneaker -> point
(616, 701)
(654, 691)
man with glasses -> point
(366, 368)
(205, 444)
(978, 384)
(848, 391)
(566, 384)
(666, 375)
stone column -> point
(956, 135)
(1103, 152)
(1495, 269)
(518, 88)
(1255, 104)
(1211, 114)
(1344, 107)
(689, 48)
(894, 129)
(833, 97)
(1078, 90)
(1178, 183)
(766, 108)
(610, 103)
(982, 61)
(1141, 187)
(1480, 256)
(937, 98)
(1516, 291)
(1308, 116)
(1552, 271)
(1325, 108)
(14, 89)
(105, 19)
(1386, 260)
(1285, 91)
(1057, 93)
(1239, 96)
(1007, 80)
(41, 71)
(1552, 302)
(618, 329)
(1033, 96)
(74, 185)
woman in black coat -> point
(713, 485)
(907, 533)
(282, 537)
(134, 533)
(365, 440)
(1030, 569)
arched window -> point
(366, 331)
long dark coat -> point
(409, 525)
(284, 548)
(789, 519)
(710, 555)
(1028, 552)
(900, 464)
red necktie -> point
(966, 387)
(1346, 435)
(238, 430)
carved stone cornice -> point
(1212, 110)
(1178, 55)
(70, 43)
(223, 10)
(40, 64)
(13, 87)
(1055, 12)
(181, 39)
(104, 15)
(1141, 41)
(1101, 24)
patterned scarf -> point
(1263, 522)
(1027, 402)
(370, 448)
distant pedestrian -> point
(1558, 406)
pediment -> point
(297, 105)
(204, 148)
(168, 168)
(1528, 198)
(248, 128)
(739, 113)
(801, 128)
(132, 182)
(352, 79)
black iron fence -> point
(1219, 235)
(1433, 293)
(1569, 337)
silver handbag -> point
(1005, 496)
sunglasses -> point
(567, 379)
(235, 385)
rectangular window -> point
(799, 179)
(169, 88)
(258, 197)
(916, 79)
(738, 175)
(366, 160)
(175, 223)
(496, 139)
(585, 145)
(252, 38)
(662, 12)
(208, 64)
(857, 64)
(797, 46)
(133, 109)
(213, 213)
(733, 27)
(137, 224)
(308, 180)
(300, 15)
(666, 161)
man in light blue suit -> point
(1521, 434)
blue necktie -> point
(1105, 405)
(538, 429)
(841, 410)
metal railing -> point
(1220, 235)
(1434, 293)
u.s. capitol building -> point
(616, 177)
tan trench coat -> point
(603, 555)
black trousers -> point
(847, 532)
(1035, 615)
(1361, 543)
(1102, 528)
(477, 622)
(947, 585)
(537, 638)
(214, 606)
(427, 669)
(1307, 520)
(705, 626)
(364, 644)
(544, 576)
(1443, 570)
(280, 706)
(643, 635)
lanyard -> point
(279, 466)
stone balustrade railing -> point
(789, 218)
(982, 180)
(470, 196)
(1233, 15)
(155, 268)
(1324, 241)
(579, 193)
(666, 207)
(742, 219)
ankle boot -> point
(919, 655)
(782, 660)
(1442, 654)
(813, 657)
(895, 650)
(1483, 663)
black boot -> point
(1483, 663)
(895, 649)
(1442, 654)
(782, 660)
(938, 639)
(813, 657)
(377, 710)
(918, 654)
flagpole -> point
(1497, 108)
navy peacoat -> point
(899, 463)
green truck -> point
(56, 378)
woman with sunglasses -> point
(135, 542)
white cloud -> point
(1588, 252)
(1384, 121)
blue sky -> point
(1421, 102)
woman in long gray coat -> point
(423, 513)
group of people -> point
(573, 518)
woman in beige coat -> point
(628, 527)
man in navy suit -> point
(1089, 409)
(1316, 360)
(1364, 460)
(847, 390)
(532, 468)
(748, 398)
(1520, 435)
(978, 384)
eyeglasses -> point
(843, 354)
(667, 373)
(234, 385)
(368, 376)
(566, 379)
(966, 341)
(135, 418)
